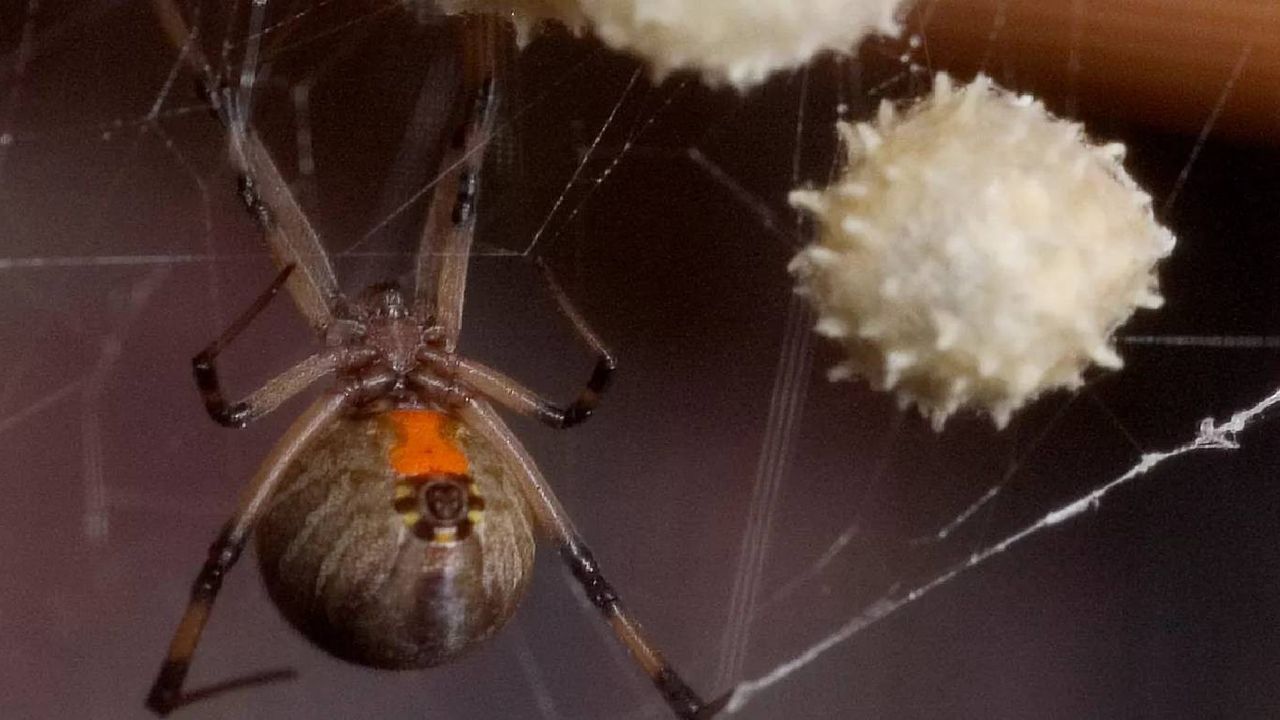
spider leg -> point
(683, 701)
(445, 248)
(166, 693)
(483, 380)
(275, 391)
(581, 408)
(495, 386)
(289, 234)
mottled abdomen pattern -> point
(344, 568)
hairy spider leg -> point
(496, 386)
(288, 233)
(444, 253)
(275, 391)
(555, 521)
(601, 376)
(166, 692)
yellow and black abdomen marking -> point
(434, 494)
(441, 508)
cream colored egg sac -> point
(977, 252)
(725, 41)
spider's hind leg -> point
(683, 701)
(681, 698)
(166, 692)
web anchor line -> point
(1210, 435)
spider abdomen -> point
(396, 540)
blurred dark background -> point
(124, 250)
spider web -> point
(1111, 554)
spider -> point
(395, 519)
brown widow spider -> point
(395, 518)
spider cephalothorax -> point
(379, 346)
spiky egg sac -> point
(977, 251)
(727, 41)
